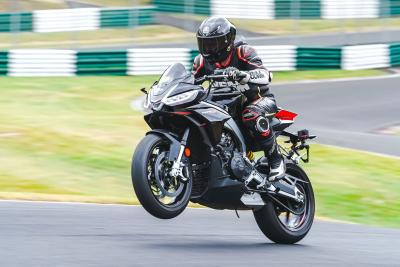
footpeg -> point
(255, 176)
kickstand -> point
(237, 214)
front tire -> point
(162, 196)
(288, 230)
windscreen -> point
(173, 73)
(169, 80)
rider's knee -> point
(256, 117)
(257, 124)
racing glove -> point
(236, 75)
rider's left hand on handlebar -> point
(236, 75)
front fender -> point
(174, 144)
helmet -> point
(215, 39)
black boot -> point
(276, 162)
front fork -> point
(178, 165)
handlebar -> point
(219, 75)
(216, 77)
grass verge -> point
(285, 26)
(71, 139)
(117, 3)
(355, 186)
(289, 76)
(29, 5)
(151, 34)
(304, 26)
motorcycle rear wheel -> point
(288, 230)
(162, 196)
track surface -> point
(51, 234)
(346, 113)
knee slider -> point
(262, 125)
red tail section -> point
(285, 115)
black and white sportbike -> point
(197, 152)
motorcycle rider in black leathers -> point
(218, 50)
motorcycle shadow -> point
(232, 246)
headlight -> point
(181, 98)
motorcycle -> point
(198, 152)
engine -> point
(225, 150)
(232, 160)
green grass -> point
(150, 34)
(284, 76)
(287, 26)
(28, 5)
(117, 3)
(355, 186)
(280, 27)
(72, 139)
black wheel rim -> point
(295, 221)
(167, 190)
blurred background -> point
(23, 24)
(70, 105)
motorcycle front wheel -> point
(280, 224)
(160, 194)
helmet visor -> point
(212, 45)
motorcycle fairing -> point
(222, 192)
(212, 118)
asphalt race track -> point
(346, 113)
(55, 234)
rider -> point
(218, 50)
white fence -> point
(59, 20)
(255, 9)
(278, 57)
(41, 62)
(344, 9)
(153, 61)
(285, 9)
(365, 57)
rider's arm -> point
(258, 78)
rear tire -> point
(271, 225)
(142, 174)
